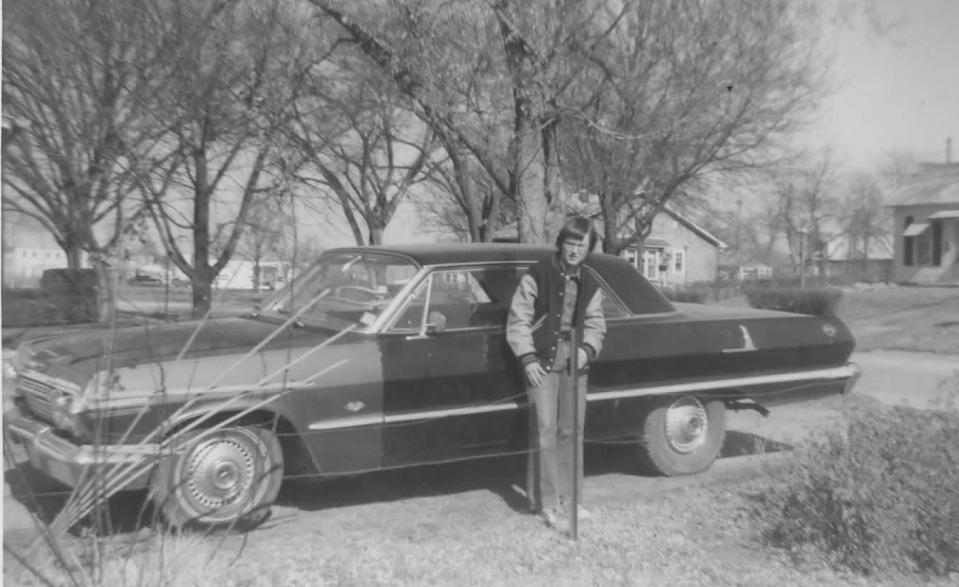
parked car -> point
(383, 357)
(145, 279)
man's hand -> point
(582, 358)
(534, 374)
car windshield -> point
(344, 288)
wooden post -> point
(574, 374)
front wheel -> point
(683, 435)
(227, 478)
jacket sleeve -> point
(594, 326)
(519, 323)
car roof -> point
(634, 290)
(442, 253)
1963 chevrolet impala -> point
(382, 357)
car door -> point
(451, 386)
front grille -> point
(40, 395)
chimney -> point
(948, 151)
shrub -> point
(685, 294)
(819, 302)
(881, 494)
(701, 292)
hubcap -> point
(686, 425)
(219, 471)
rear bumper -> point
(68, 462)
(855, 372)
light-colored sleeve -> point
(519, 323)
(594, 325)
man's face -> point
(574, 251)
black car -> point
(382, 357)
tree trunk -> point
(376, 235)
(106, 298)
(202, 290)
(74, 254)
(554, 191)
(532, 209)
(202, 275)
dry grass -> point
(921, 319)
(692, 536)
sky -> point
(898, 90)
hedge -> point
(816, 301)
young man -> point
(555, 299)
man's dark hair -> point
(577, 228)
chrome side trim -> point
(843, 372)
(353, 422)
(410, 416)
(138, 400)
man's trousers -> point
(550, 466)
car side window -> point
(611, 307)
(413, 314)
(467, 298)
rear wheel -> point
(683, 435)
(227, 478)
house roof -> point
(937, 185)
(702, 232)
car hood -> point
(87, 350)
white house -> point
(27, 255)
(676, 252)
(926, 217)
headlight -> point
(63, 415)
(9, 368)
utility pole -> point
(802, 258)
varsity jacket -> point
(533, 325)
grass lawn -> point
(919, 319)
(922, 319)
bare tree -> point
(683, 90)
(863, 221)
(490, 77)
(465, 201)
(267, 233)
(897, 167)
(807, 191)
(238, 69)
(376, 153)
(79, 80)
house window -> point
(679, 261)
(652, 259)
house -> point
(676, 252)
(27, 256)
(926, 221)
(850, 261)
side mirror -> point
(435, 323)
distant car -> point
(145, 279)
(429, 379)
